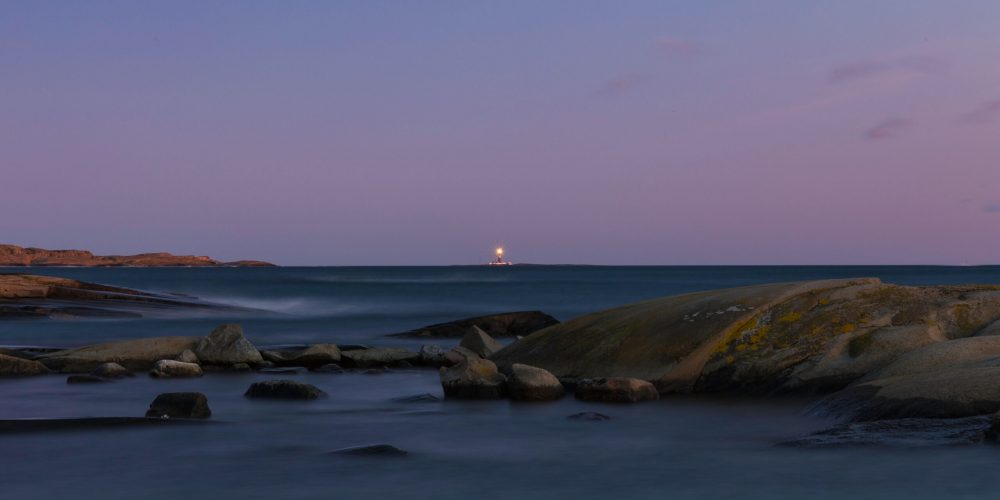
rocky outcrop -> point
(284, 389)
(480, 342)
(616, 390)
(168, 368)
(473, 379)
(13, 255)
(134, 355)
(378, 356)
(811, 337)
(18, 367)
(179, 405)
(512, 324)
(226, 345)
(528, 383)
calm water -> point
(674, 448)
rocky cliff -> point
(13, 255)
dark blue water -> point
(674, 448)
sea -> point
(677, 447)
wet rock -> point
(419, 398)
(317, 355)
(226, 345)
(111, 370)
(480, 342)
(379, 356)
(330, 368)
(528, 383)
(589, 416)
(168, 368)
(432, 355)
(85, 379)
(134, 355)
(17, 367)
(284, 389)
(285, 370)
(616, 390)
(473, 379)
(497, 325)
(179, 405)
(375, 450)
(188, 356)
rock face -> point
(512, 324)
(480, 343)
(134, 355)
(111, 370)
(226, 345)
(17, 367)
(811, 337)
(473, 379)
(379, 356)
(284, 389)
(179, 405)
(168, 368)
(527, 383)
(13, 255)
(616, 390)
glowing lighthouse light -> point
(499, 260)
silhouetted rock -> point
(283, 389)
(13, 255)
(179, 405)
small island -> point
(13, 255)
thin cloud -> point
(677, 47)
(987, 112)
(864, 69)
(993, 208)
(622, 84)
(887, 129)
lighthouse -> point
(499, 260)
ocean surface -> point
(679, 447)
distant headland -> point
(13, 255)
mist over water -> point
(674, 448)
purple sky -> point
(349, 133)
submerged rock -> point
(378, 356)
(419, 398)
(18, 367)
(134, 355)
(284, 389)
(111, 370)
(226, 345)
(616, 390)
(510, 324)
(329, 368)
(473, 379)
(383, 450)
(480, 342)
(168, 368)
(179, 405)
(528, 383)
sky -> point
(426, 133)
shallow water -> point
(673, 448)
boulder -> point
(188, 356)
(528, 383)
(85, 379)
(168, 368)
(226, 345)
(432, 355)
(317, 355)
(480, 343)
(134, 355)
(379, 356)
(111, 370)
(520, 323)
(458, 355)
(473, 379)
(283, 389)
(179, 405)
(17, 367)
(616, 390)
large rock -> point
(168, 368)
(111, 370)
(188, 356)
(512, 324)
(480, 342)
(528, 383)
(316, 355)
(179, 405)
(616, 390)
(226, 345)
(283, 389)
(17, 367)
(134, 355)
(473, 379)
(379, 356)
(432, 355)
(810, 337)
